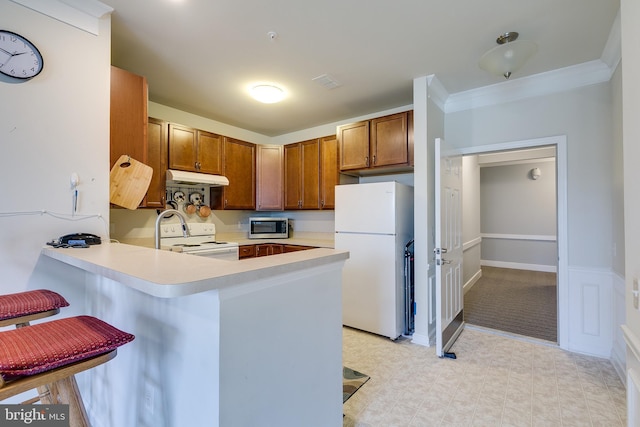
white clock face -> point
(19, 58)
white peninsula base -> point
(262, 352)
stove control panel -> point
(195, 229)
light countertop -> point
(318, 240)
(169, 274)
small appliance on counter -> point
(268, 228)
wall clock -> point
(20, 60)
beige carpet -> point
(515, 301)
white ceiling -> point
(200, 55)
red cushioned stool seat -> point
(22, 307)
(48, 355)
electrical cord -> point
(57, 215)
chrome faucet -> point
(183, 223)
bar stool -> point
(22, 307)
(49, 354)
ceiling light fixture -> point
(267, 93)
(509, 56)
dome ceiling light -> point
(267, 93)
(509, 56)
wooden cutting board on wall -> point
(128, 182)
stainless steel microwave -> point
(268, 228)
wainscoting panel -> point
(590, 311)
(619, 347)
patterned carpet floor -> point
(516, 301)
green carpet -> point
(351, 382)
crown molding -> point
(547, 83)
(612, 52)
(562, 79)
(82, 14)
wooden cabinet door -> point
(269, 178)
(240, 169)
(266, 249)
(329, 175)
(246, 251)
(310, 165)
(183, 148)
(389, 141)
(128, 116)
(410, 137)
(292, 176)
(276, 249)
(209, 152)
(353, 144)
(157, 159)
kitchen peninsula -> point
(242, 343)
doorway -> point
(558, 144)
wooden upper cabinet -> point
(310, 184)
(157, 159)
(209, 158)
(292, 176)
(194, 150)
(329, 175)
(383, 142)
(182, 148)
(389, 141)
(269, 178)
(353, 141)
(302, 175)
(410, 137)
(240, 169)
(128, 116)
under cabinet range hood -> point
(195, 178)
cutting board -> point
(128, 182)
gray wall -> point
(512, 203)
(584, 116)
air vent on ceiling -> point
(326, 81)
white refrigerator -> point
(374, 222)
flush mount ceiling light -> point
(267, 93)
(509, 56)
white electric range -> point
(201, 241)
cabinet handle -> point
(322, 203)
(366, 161)
(374, 159)
(226, 202)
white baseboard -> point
(519, 266)
(472, 281)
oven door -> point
(228, 253)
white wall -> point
(584, 115)
(471, 236)
(630, 16)
(51, 126)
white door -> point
(448, 247)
